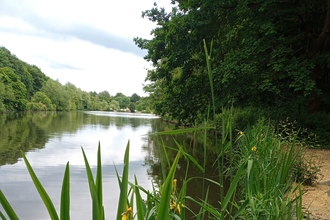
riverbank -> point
(316, 198)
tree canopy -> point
(25, 87)
(264, 53)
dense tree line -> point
(24, 87)
(269, 53)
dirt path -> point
(317, 198)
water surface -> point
(50, 140)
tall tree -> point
(267, 53)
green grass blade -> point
(124, 185)
(95, 201)
(65, 195)
(232, 187)
(42, 192)
(7, 207)
(99, 181)
(209, 70)
(140, 206)
(2, 216)
(164, 207)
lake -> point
(50, 139)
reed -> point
(257, 165)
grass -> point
(257, 165)
(260, 174)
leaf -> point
(99, 181)
(7, 207)
(140, 206)
(65, 195)
(95, 201)
(123, 184)
(164, 207)
(42, 192)
(232, 187)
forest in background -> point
(269, 59)
(24, 87)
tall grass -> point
(257, 165)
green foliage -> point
(262, 179)
(132, 107)
(260, 56)
(30, 76)
(114, 105)
(55, 91)
(135, 97)
(306, 170)
(2, 95)
(95, 187)
(25, 87)
(268, 183)
(15, 91)
(42, 192)
(40, 102)
(123, 100)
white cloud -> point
(87, 43)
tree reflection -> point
(32, 130)
(193, 144)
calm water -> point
(52, 139)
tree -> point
(135, 97)
(2, 95)
(143, 104)
(105, 95)
(15, 91)
(114, 105)
(123, 100)
(132, 107)
(268, 53)
(41, 102)
(57, 94)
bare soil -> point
(316, 198)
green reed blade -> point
(124, 185)
(140, 205)
(2, 216)
(99, 180)
(7, 207)
(92, 188)
(189, 157)
(65, 195)
(97, 210)
(164, 207)
(42, 192)
(232, 188)
(209, 70)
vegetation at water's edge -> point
(24, 87)
(260, 168)
(269, 57)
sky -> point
(87, 43)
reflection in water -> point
(192, 143)
(52, 139)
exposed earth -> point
(316, 198)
